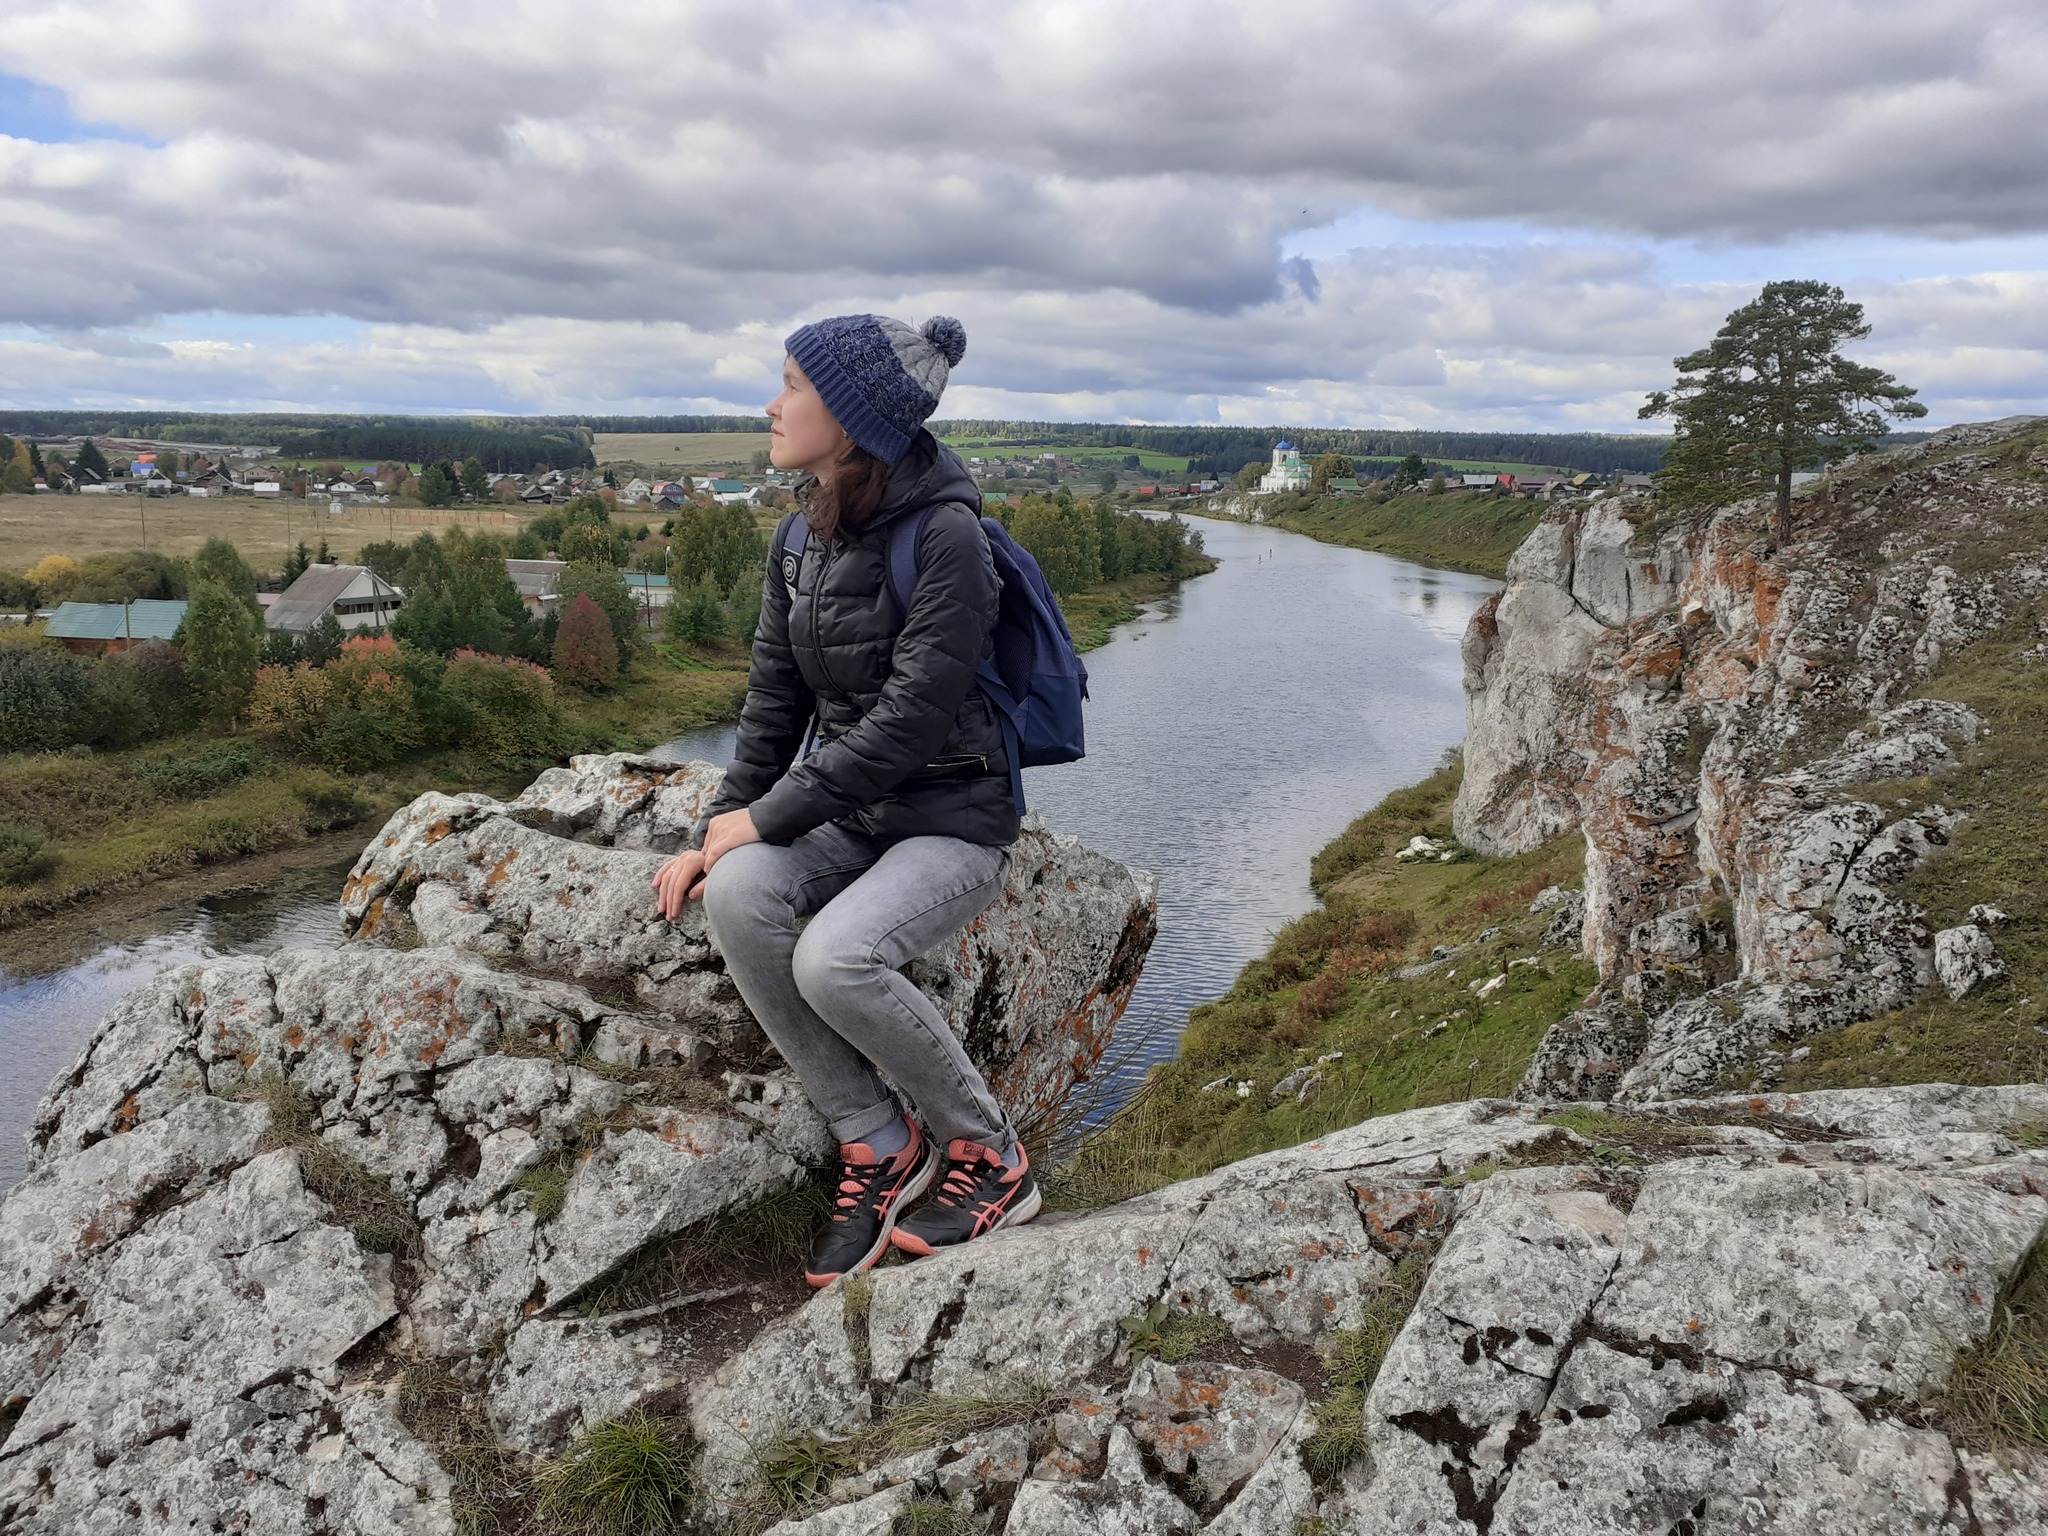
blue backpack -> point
(1034, 677)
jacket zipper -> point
(817, 644)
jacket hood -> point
(930, 473)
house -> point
(1288, 473)
(726, 492)
(635, 491)
(1639, 483)
(1476, 482)
(99, 627)
(356, 596)
(650, 592)
(1542, 487)
(535, 581)
(1346, 487)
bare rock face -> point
(557, 879)
(1701, 708)
(272, 1187)
(1748, 1328)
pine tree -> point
(475, 484)
(90, 460)
(1770, 394)
(221, 644)
(585, 654)
(743, 606)
(296, 562)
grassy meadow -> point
(264, 531)
(681, 450)
(1471, 531)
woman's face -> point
(803, 435)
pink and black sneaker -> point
(871, 1191)
(978, 1194)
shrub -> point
(45, 696)
(502, 707)
(289, 705)
(203, 773)
(24, 855)
(697, 619)
(221, 641)
(606, 588)
(370, 720)
(586, 653)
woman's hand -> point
(733, 830)
(678, 881)
(682, 878)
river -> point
(1233, 729)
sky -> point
(1506, 214)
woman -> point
(894, 831)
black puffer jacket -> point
(907, 745)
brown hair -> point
(849, 498)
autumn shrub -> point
(586, 655)
(370, 714)
(500, 706)
(289, 706)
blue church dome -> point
(1284, 447)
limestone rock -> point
(558, 879)
(1966, 959)
(1701, 707)
(1596, 1347)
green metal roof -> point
(143, 619)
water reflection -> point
(47, 1017)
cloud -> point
(539, 202)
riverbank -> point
(110, 822)
(1346, 1016)
(104, 823)
(1468, 531)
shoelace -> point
(963, 1179)
(857, 1186)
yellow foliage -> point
(291, 704)
(52, 571)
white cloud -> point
(534, 203)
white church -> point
(1288, 472)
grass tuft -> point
(1352, 1363)
(380, 1218)
(490, 1488)
(1997, 1395)
(547, 1188)
(922, 1419)
(769, 1238)
(935, 1517)
(628, 1476)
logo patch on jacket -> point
(789, 569)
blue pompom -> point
(949, 336)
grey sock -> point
(891, 1138)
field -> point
(34, 526)
(682, 449)
(1155, 463)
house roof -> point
(646, 579)
(309, 599)
(144, 619)
(535, 578)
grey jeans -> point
(830, 996)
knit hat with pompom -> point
(879, 378)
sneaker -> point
(977, 1196)
(871, 1191)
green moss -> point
(628, 1476)
(547, 1186)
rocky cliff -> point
(270, 1188)
(1752, 743)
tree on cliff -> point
(1770, 394)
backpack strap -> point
(792, 535)
(786, 553)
